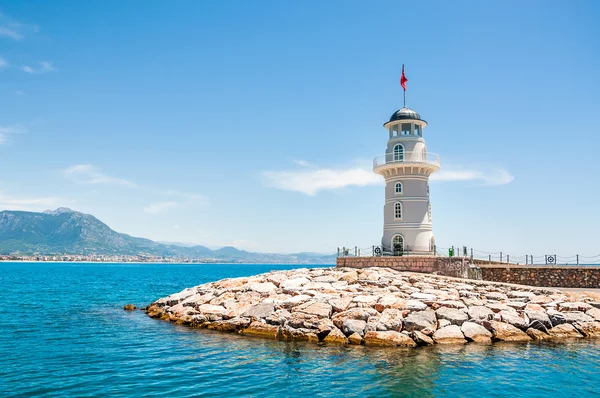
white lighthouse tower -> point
(406, 167)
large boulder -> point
(362, 314)
(452, 315)
(321, 310)
(539, 316)
(588, 329)
(265, 288)
(335, 336)
(261, 329)
(230, 325)
(449, 335)
(423, 321)
(388, 339)
(480, 313)
(475, 332)
(577, 316)
(340, 304)
(259, 311)
(421, 338)
(514, 319)
(355, 339)
(293, 284)
(594, 313)
(351, 326)
(564, 331)
(576, 306)
(504, 332)
(391, 319)
(556, 317)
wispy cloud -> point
(186, 195)
(41, 67)
(11, 33)
(310, 182)
(30, 203)
(88, 174)
(160, 207)
(3, 63)
(311, 179)
(495, 176)
(7, 131)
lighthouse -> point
(406, 167)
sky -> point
(254, 124)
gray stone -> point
(423, 321)
(480, 313)
(556, 317)
(449, 335)
(514, 319)
(259, 311)
(322, 310)
(454, 316)
(351, 326)
(577, 316)
(475, 332)
(421, 338)
(539, 316)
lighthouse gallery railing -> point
(407, 157)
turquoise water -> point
(63, 333)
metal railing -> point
(477, 256)
(407, 157)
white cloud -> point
(3, 63)
(7, 131)
(309, 182)
(88, 174)
(29, 203)
(487, 177)
(160, 207)
(11, 33)
(42, 67)
(311, 179)
(186, 195)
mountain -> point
(64, 231)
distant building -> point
(406, 167)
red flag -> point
(403, 79)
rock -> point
(449, 335)
(259, 311)
(577, 316)
(351, 326)
(577, 306)
(539, 316)
(564, 331)
(415, 305)
(514, 319)
(261, 329)
(594, 304)
(354, 313)
(423, 321)
(449, 304)
(294, 283)
(340, 304)
(424, 297)
(536, 334)
(388, 339)
(263, 288)
(129, 307)
(524, 296)
(495, 296)
(594, 313)
(454, 316)
(230, 325)
(497, 307)
(421, 338)
(294, 301)
(475, 332)
(539, 326)
(355, 339)
(443, 322)
(505, 332)
(336, 336)
(349, 277)
(556, 317)
(391, 319)
(517, 305)
(299, 320)
(588, 329)
(321, 310)
(290, 333)
(212, 309)
(480, 313)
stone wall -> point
(545, 276)
(575, 277)
(455, 266)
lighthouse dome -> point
(404, 114)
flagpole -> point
(404, 98)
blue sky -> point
(254, 124)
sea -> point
(63, 332)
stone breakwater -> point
(380, 307)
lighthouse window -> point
(397, 243)
(398, 187)
(405, 128)
(427, 189)
(398, 210)
(417, 129)
(398, 153)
